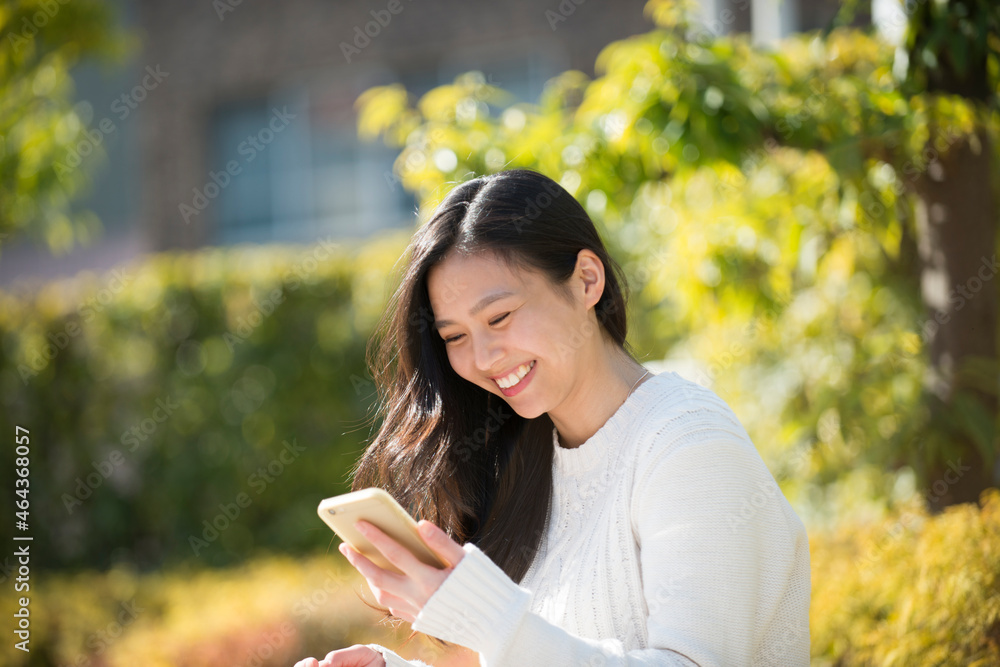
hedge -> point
(272, 611)
(190, 405)
(911, 589)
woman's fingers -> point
(358, 655)
(378, 579)
(405, 594)
(308, 662)
(393, 551)
(375, 575)
(440, 542)
(400, 607)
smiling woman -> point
(593, 513)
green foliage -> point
(40, 128)
(269, 612)
(760, 200)
(161, 390)
(955, 46)
(910, 589)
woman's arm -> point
(480, 607)
(729, 558)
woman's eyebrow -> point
(485, 301)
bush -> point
(910, 590)
(268, 613)
(166, 399)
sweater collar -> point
(594, 451)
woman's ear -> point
(590, 271)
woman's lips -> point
(517, 388)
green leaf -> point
(976, 423)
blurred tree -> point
(42, 135)
(764, 202)
(953, 49)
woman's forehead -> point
(484, 265)
(470, 280)
(461, 277)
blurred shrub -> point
(910, 590)
(46, 134)
(190, 405)
(267, 613)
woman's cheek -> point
(530, 336)
(462, 363)
(453, 360)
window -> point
(301, 174)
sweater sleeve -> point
(725, 559)
(480, 607)
(714, 575)
(393, 659)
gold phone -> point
(380, 509)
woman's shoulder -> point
(678, 412)
(675, 402)
(691, 435)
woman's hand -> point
(405, 594)
(358, 655)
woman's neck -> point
(599, 392)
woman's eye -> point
(496, 321)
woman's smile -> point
(511, 385)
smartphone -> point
(380, 509)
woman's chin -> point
(523, 410)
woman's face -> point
(496, 323)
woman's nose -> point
(487, 353)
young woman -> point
(593, 513)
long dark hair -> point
(448, 450)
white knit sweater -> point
(668, 543)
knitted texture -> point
(668, 542)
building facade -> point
(236, 121)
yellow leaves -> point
(837, 264)
(670, 13)
(440, 104)
(271, 611)
(888, 592)
(59, 233)
(887, 104)
(451, 102)
(565, 89)
(380, 109)
(623, 60)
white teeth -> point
(515, 377)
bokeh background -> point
(202, 206)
